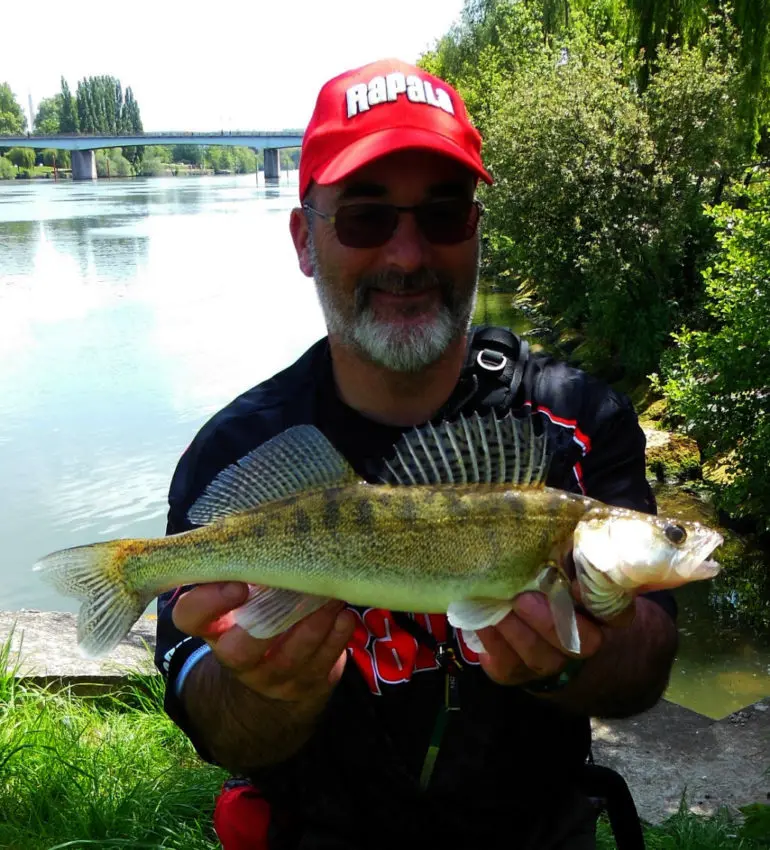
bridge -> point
(83, 146)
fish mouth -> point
(695, 563)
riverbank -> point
(663, 754)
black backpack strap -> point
(492, 374)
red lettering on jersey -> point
(466, 653)
(358, 647)
(393, 649)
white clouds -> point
(249, 65)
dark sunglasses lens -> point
(365, 225)
(448, 222)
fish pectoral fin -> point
(473, 614)
(268, 611)
(556, 587)
(295, 461)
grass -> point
(101, 771)
(113, 771)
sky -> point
(233, 65)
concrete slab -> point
(670, 751)
(662, 753)
(44, 644)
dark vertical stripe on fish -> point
(365, 514)
(302, 523)
(331, 514)
(408, 509)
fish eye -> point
(675, 533)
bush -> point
(718, 380)
(22, 157)
(7, 169)
(597, 204)
(63, 159)
(118, 165)
(152, 167)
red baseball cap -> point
(380, 108)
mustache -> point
(399, 283)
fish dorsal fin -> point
(471, 450)
(296, 460)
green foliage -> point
(102, 772)
(245, 160)
(191, 154)
(718, 380)
(12, 118)
(7, 170)
(153, 166)
(598, 193)
(110, 162)
(756, 827)
(289, 158)
(69, 111)
(100, 106)
(22, 157)
(62, 158)
(48, 117)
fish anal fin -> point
(269, 611)
(296, 460)
(470, 615)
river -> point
(130, 311)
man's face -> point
(401, 304)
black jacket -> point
(506, 757)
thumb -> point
(203, 611)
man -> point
(362, 728)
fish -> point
(461, 522)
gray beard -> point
(398, 348)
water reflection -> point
(724, 656)
(129, 312)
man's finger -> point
(534, 650)
(333, 647)
(202, 611)
(535, 611)
(293, 650)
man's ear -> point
(300, 235)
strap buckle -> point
(491, 360)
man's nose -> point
(407, 247)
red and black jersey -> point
(506, 758)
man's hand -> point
(301, 665)
(524, 645)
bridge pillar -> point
(272, 164)
(83, 165)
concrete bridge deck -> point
(83, 146)
(256, 139)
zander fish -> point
(461, 523)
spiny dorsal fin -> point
(471, 450)
(296, 460)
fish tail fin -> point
(94, 575)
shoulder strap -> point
(492, 375)
(497, 358)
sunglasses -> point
(372, 225)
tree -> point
(22, 158)
(69, 113)
(48, 119)
(12, 118)
(718, 380)
(191, 154)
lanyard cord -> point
(447, 660)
